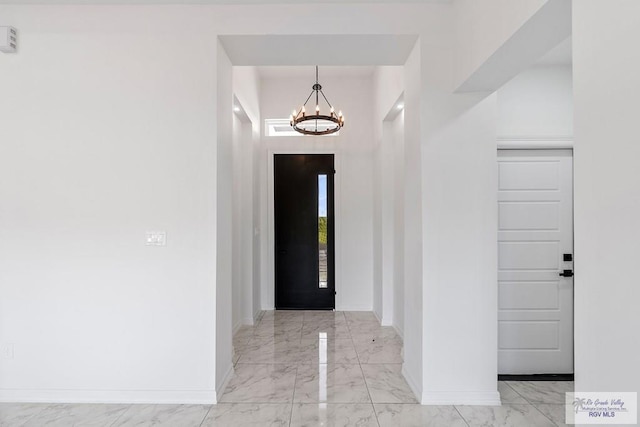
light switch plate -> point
(7, 351)
(8, 40)
(156, 238)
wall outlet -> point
(6, 351)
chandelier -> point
(316, 124)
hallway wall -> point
(106, 135)
(606, 66)
(247, 274)
(537, 103)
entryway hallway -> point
(313, 368)
(323, 368)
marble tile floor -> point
(311, 368)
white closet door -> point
(535, 242)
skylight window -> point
(281, 127)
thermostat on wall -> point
(8, 39)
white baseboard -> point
(195, 397)
(413, 384)
(386, 321)
(236, 328)
(399, 331)
(353, 308)
(248, 321)
(225, 381)
(482, 398)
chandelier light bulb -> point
(294, 113)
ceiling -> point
(309, 71)
(320, 49)
(211, 1)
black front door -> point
(304, 229)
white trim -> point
(178, 397)
(384, 321)
(534, 143)
(481, 398)
(237, 327)
(225, 380)
(337, 194)
(413, 384)
(354, 308)
(398, 330)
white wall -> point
(377, 179)
(236, 241)
(246, 242)
(537, 104)
(106, 136)
(353, 149)
(224, 221)
(388, 82)
(413, 336)
(482, 27)
(398, 223)
(606, 66)
(458, 245)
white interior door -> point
(535, 241)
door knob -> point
(567, 273)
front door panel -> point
(304, 229)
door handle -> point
(566, 273)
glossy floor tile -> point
(163, 415)
(386, 384)
(508, 394)
(333, 414)
(248, 414)
(378, 349)
(555, 413)
(19, 413)
(551, 392)
(507, 415)
(334, 383)
(313, 368)
(402, 415)
(260, 383)
(65, 415)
